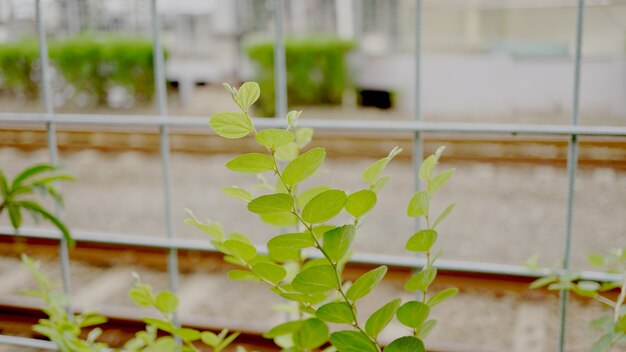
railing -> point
(163, 122)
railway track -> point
(18, 314)
(593, 151)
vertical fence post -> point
(417, 141)
(572, 163)
(161, 101)
(52, 138)
(418, 148)
(280, 71)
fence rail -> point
(163, 122)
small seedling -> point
(613, 325)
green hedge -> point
(92, 65)
(316, 71)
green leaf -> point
(359, 203)
(274, 138)
(51, 218)
(213, 229)
(418, 206)
(29, 172)
(231, 125)
(382, 317)
(251, 163)
(543, 281)
(596, 259)
(306, 196)
(426, 170)
(287, 152)
(324, 206)
(604, 343)
(380, 183)
(337, 241)
(237, 193)
(406, 344)
(242, 275)
(421, 280)
(422, 241)
(312, 334)
(352, 341)
(287, 247)
(439, 152)
(336, 312)
(187, 334)
(426, 328)
(247, 95)
(444, 214)
(442, 296)
(293, 116)
(271, 203)
(364, 285)
(438, 181)
(315, 279)
(370, 175)
(140, 296)
(303, 137)
(303, 166)
(413, 314)
(160, 324)
(283, 219)
(15, 214)
(166, 302)
(165, 344)
(240, 249)
(287, 328)
(270, 271)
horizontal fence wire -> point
(320, 124)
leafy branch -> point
(17, 195)
(316, 285)
(613, 325)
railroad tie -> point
(14, 279)
(97, 291)
(530, 333)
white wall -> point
(498, 84)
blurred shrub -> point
(316, 70)
(18, 67)
(91, 65)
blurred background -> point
(482, 61)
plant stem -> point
(605, 300)
(620, 302)
(309, 228)
(2, 207)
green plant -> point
(612, 325)
(66, 330)
(316, 70)
(17, 195)
(92, 65)
(316, 286)
(18, 64)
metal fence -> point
(163, 123)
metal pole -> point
(572, 163)
(52, 140)
(159, 80)
(280, 71)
